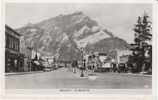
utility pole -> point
(82, 73)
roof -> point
(8, 27)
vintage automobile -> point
(122, 67)
(106, 67)
(55, 66)
(47, 67)
(36, 65)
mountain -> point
(65, 34)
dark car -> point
(121, 67)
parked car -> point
(122, 67)
(56, 66)
(106, 67)
(45, 64)
(36, 65)
(60, 65)
(47, 69)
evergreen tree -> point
(36, 57)
(141, 44)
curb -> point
(139, 74)
(22, 73)
(132, 74)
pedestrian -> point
(83, 68)
(65, 65)
(74, 66)
(84, 64)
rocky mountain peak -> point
(64, 34)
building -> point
(122, 55)
(123, 59)
(102, 57)
(49, 59)
(27, 60)
(27, 51)
(14, 60)
(36, 60)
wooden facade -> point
(14, 60)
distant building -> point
(102, 57)
(14, 60)
(49, 59)
(122, 55)
(123, 58)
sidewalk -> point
(125, 74)
(22, 73)
(138, 74)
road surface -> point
(64, 78)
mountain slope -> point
(65, 34)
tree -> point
(142, 41)
(36, 57)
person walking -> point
(74, 66)
(82, 68)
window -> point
(9, 38)
(7, 41)
(16, 45)
(12, 42)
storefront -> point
(14, 62)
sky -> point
(117, 18)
